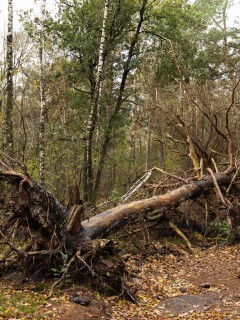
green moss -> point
(41, 286)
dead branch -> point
(170, 175)
(234, 177)
(182, 235)
(13, 246)
(64, 274)
(137, 185)
(218, 190)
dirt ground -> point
(166, 285)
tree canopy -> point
(173, 62)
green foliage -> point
(78, 28)
(71, 66)
(116, 194)
(62, 270)
(41, 286)
(109, 291)
(222, 230)
(32, 166)
(198, 44)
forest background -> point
(105, 90)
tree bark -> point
(92, 120)
(112, 121)
(42, 97)
(111, 220)
(9, 88)
(148, 146)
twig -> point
(180, 233)
(100, 205)
(168, 136)
(56, 283)
(218, 153)
(86, 264)
(5, 256)
(156, 217)
(230, 185)
(4, 165)
(201, 168)
(13, 247)
(8, 166)
(137, 185)
(146, 233)
(217, 189)
(215, 165)
(170, 175)
(43, 252)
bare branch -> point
(218, 190)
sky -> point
(30, 4)
(17, 6)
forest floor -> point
(166, 283)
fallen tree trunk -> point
(35, 226)
(44, 211)
(111, 220)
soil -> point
(166, 285)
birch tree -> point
(95, 103)
(9, 148)
(42, 96)
(128, 65)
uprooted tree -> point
(39, 234)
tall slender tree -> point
(127, 67)
(9, 147)
(42, 95)
(95, 103)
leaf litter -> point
(166, 286)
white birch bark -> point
(148, 146)
(91, 126)
(42, 96)
(9, 88)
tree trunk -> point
(92, 120)
(9, 148)
(148, 146)
(45, 211)
(109, 221)
(42, 97)
(112, 121)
